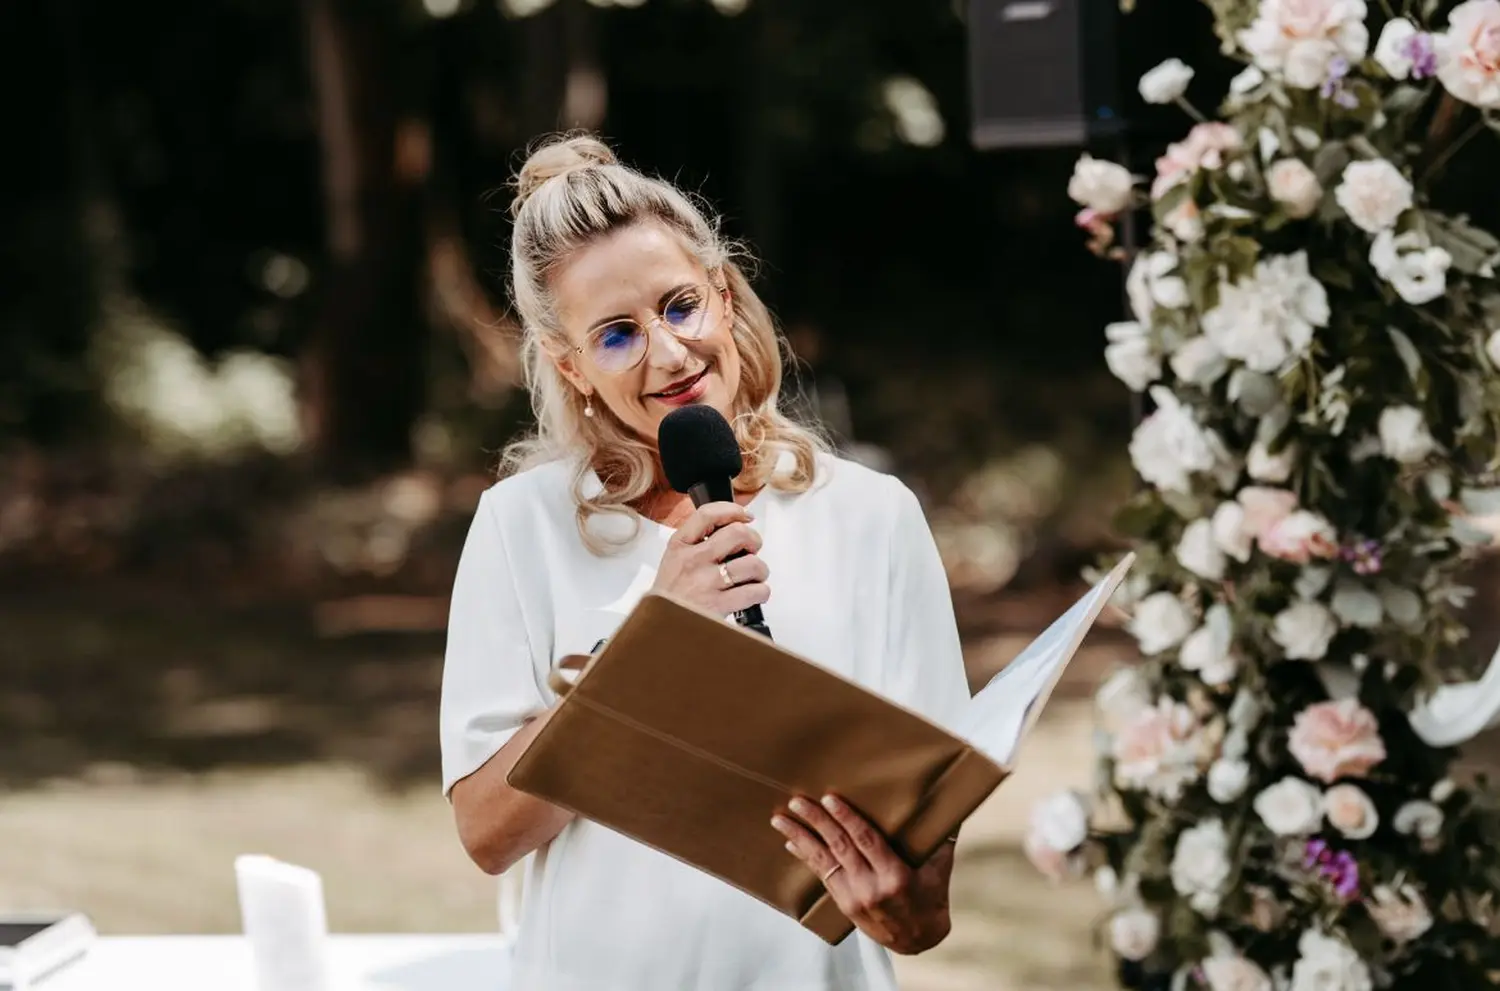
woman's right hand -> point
(697, 561)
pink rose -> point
(1265, 507)
(1333, 740)
(1468, 53)
(1300, 537)
(1206, 146)
(1161, 750)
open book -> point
(686, 733)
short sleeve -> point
(924, 657)
(489, 682)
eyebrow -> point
(661, 304)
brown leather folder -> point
(687, 733)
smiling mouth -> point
(678, 388)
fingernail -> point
(778, 823)
(800, 807)
(831, 804)
(789, 848)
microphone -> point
(701, 459)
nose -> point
(666, 351)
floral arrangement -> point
(1320, 344)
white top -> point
(856, 584)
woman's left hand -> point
(904, 909)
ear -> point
(567, 366)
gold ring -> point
(832, 871)
(724, 573)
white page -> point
(999, 715)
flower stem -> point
(1446, 155)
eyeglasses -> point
(689, 315)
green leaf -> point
(1404, 99)
(1330, 160)
(1331, 273)
(1472, 249)
(1409, 356)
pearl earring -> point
(588, 407)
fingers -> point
(710, 517)
(730, 539)
(744, 570)
(806, 847)
(866, 838)
(833, 835)
(744, 596)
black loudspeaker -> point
(1044, 73)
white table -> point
(222, 963)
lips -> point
(680, 387)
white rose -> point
(1167, 82)
(1391, 50)
(1295, 187)
(1304, 630)
(1197, 551)
(1326, 963)
(1208, 649)
(1106, 881)
(1227, 780)
(1468, 53)
(1404, 436)
(1374, 194)
(1234, 973)
(1246, 80)
(1122, 697)
(1101, 186)
(1231, 533)
(1061, 821)
(1160, 622)
(1169, 446)
(1185, 221)
(1268, 316)
(1264, 466)
(1291, 807)
(1420, 819)
(1350, 811)
(1200, 865)
(1299, 39)
(1401, 915)
(1492, 348)
(1416, 269)
(1199, 362)
(1134, 933)
(1129, 355)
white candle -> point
(285, 923)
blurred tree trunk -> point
(365, 369)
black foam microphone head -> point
(697, 445)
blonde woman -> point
(632, 307)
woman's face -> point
(654, 327)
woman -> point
(632, 307)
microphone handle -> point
(722, 490)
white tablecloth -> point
(222, 963)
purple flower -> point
(1364, 555)
(1418, 48)
(1338, 868)
(1338, 68)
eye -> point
(616, 337)
(683, 307)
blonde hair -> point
(570, 192)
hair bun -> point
(558, 157)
